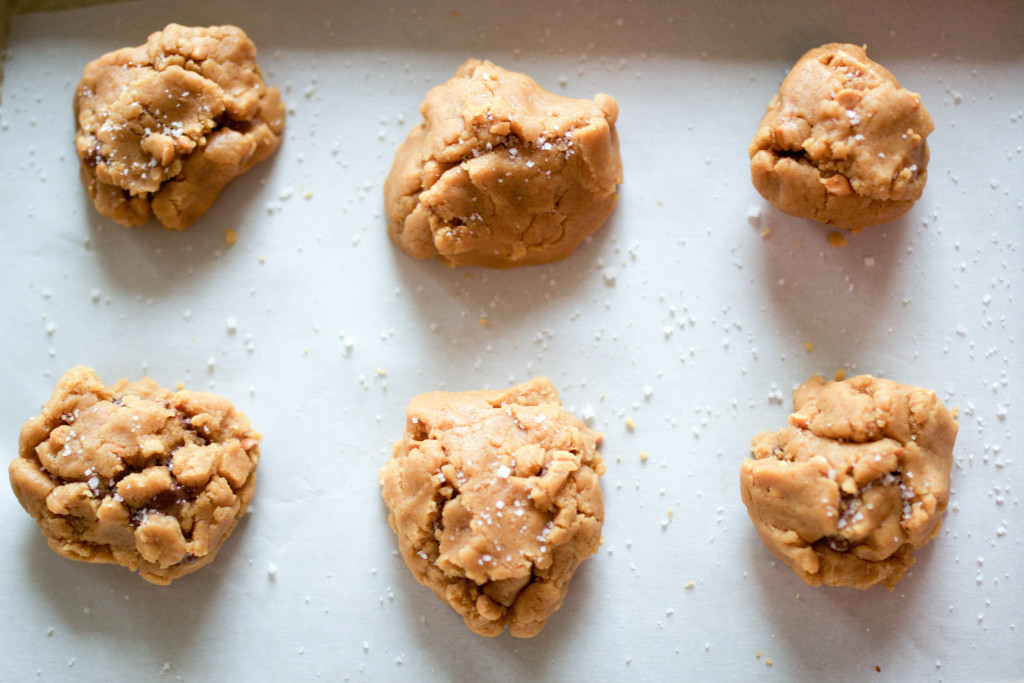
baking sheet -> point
(678, 314)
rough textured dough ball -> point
(856, 482)
(132, 474)
(842, 142)
(163, 127)
(501, 172)
(494, 496)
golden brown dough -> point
(856, 482)
(163, 127)
(842, 142)
(501, 172)
(495, 498)
(132, 474)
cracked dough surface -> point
(855, 483)
(163, 127)
(495, 498)
(501, 172)
(132, 474)
(841, 143)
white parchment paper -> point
(679, 314)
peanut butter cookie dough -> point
(132, 474)
(842, 142)
(163, 127)
(495, 498)
(855, 484)
(501, 172)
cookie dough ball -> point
(132, 474)
(494, 496)
(856, 482)
(842, 142)
(163, 127)
(501, 172)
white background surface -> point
(678, 296)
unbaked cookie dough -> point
(842, 142)
(501, 172)
(856, 482)
(132, 474)
(163, 127)
(494, 496)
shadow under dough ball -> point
(841, 142)
(501, 172)
(135, 475)
(856, 483)
(495, 499)
(163, 127)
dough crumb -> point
(835, 240)
(495, 499)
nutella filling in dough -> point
(856, 482)
(841, 142)
(494, 496)
(163, 127)
(132, 474)
(501, 172)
